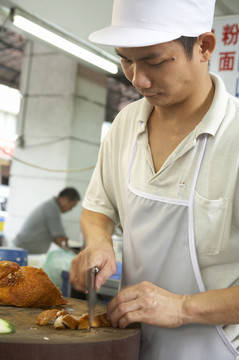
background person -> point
(168, 172)
(44, 225)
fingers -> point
(137, 303)
(84, 261)
(124, 307)
(147, 303)
(126, 313)
(106, 270)
(76, 277)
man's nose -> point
(140, 78)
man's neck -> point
(187, 114)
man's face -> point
(162, 73)
(67, 205)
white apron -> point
(159, 247)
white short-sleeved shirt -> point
(217, 189)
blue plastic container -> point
(117, 275)
(14, 254)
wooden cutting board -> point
(33, 342)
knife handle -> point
(95, 270)
(92, 274)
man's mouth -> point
(147, 95)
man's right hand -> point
(97, 230)
(103, 258)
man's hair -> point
(188, 44)
(71, 193)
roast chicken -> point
(64, 320)
(27, 286)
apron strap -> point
(199, 162)
(131, 161)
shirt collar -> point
(145, 110)
(215, 115)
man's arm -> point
(97, 230)
(148, 303)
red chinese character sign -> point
(225, 60)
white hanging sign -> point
(225, 59)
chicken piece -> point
(101, 321)
(98, 321)
(27, 286)
(47, 317)
(62, 312)
(62, 319)
(84, 322)
(58, 324)
(71, 321)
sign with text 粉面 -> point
(225, 59)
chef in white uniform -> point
(168, 173)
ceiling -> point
(82, 18)
(11, 53)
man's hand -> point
(150, 304)
(103, 257)
(61, 241)
(97, 230)
(147, 303)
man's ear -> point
(207, 43)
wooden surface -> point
(33, 342)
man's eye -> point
(158, 64)
(126, 61)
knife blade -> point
(91, 293)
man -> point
(168, 172)
(44, 225)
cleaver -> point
(91, 274)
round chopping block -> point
(34, 342)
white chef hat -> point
(149, 22)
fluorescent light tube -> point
(63, 44)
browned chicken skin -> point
(63, 320)
(27, 286)
(7, 267)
